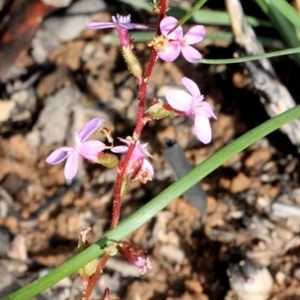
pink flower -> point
(136, 255)
(119, 21)
(192, 104)
(87, 149)
(139, 168)
(179, 42)
(122, 25)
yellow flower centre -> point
(159, 43)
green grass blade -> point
(250, 58)
(288, 11)
(191, 12)
(210, 37)
(155, 205)
(282, 24)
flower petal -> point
(71, 166)
(119, 19)
(191, 54)
(101, 25)
(167, 24)
(195, 35)
(202, 128)
(125, 141)
(180, 100)
(206, 110)
(90, 149)
(58, 155)
(147, 166)
(89, 128)
(170, 53)
(192, 87)
(119, 149)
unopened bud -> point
(136, 255)
(107, 160)
(124, 185)
(112, 249)
(89, 269)
(159, 110)
(132, 62)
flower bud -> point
(132, 62)
(107, 160)
(159, 110)
(136, 255)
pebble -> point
(251, 282)
(4, 240)
(123, 267)
(52, 129)
(172, 253)
(8, 282)
(6, 108)
(18, 249)
(240, 183)
(58, 3)
(20, 106)
(70, 26)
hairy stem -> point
(143, 84)
(94, 278)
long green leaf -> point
(145, 36)
(191, 12)
(282, 24)
(288, 11)
(154, 206)
(250, 58)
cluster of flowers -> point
(92, 150)
(168, 46)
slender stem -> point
(138, 127)
(94, 278)
(143, 84)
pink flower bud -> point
(136, 255)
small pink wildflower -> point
(192, 104)
(118, 21)
(122, 25)
(139, 168)
(87, 149)
(136, 255)
(178, 42)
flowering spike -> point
(136, 255)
